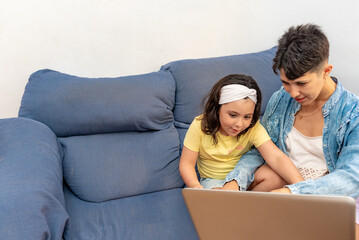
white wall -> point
(111, 38)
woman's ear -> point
(327, 69)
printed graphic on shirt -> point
(239, 147)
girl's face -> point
(236, 116)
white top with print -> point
(307, 154)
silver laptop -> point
(230, 215)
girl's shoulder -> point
(257, 134)
(257, 128)
(198, 118)
(197, 122)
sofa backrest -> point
(72, 105)
(122, 136)
(117, 134)
(195, 78)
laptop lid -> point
(219, 214)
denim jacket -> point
(340, 143)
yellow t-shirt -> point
(216, 161)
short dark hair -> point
(210, 119)
(301, 49)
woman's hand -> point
(232, 186)
(282, 190)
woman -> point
(313, 119)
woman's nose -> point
(293, 91)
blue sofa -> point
(97, 158)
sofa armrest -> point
(32, 204)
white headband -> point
(234, 92)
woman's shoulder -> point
(344, 108)
(351, 98)
(279, 94)
(345, 102)
(348, 107)
(279, 103)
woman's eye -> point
(248, 117)
(232, 115)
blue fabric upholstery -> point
(97, 158)
(195, 78)
(72, 105)
(32, 204)
(153, 216)
(102, 167)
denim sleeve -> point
(344, 180)
(243, 172)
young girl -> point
(227, 129)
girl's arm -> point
(187, 168)
(280, 162)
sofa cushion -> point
(102, 167)
(195, 78)
(160, 215)
(32, 204)
(72, 105)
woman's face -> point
(236, 116)
(306, 89)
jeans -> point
(209, 183)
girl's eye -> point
(248, 117)
(232, 115)
(301, 83)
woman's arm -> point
(241, 176)
(280, 162)
(187, 168)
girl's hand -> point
(280, 162)
(187, 168)
(197, 186)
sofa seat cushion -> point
(102, 167)
(72, 105)
(159, 215)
